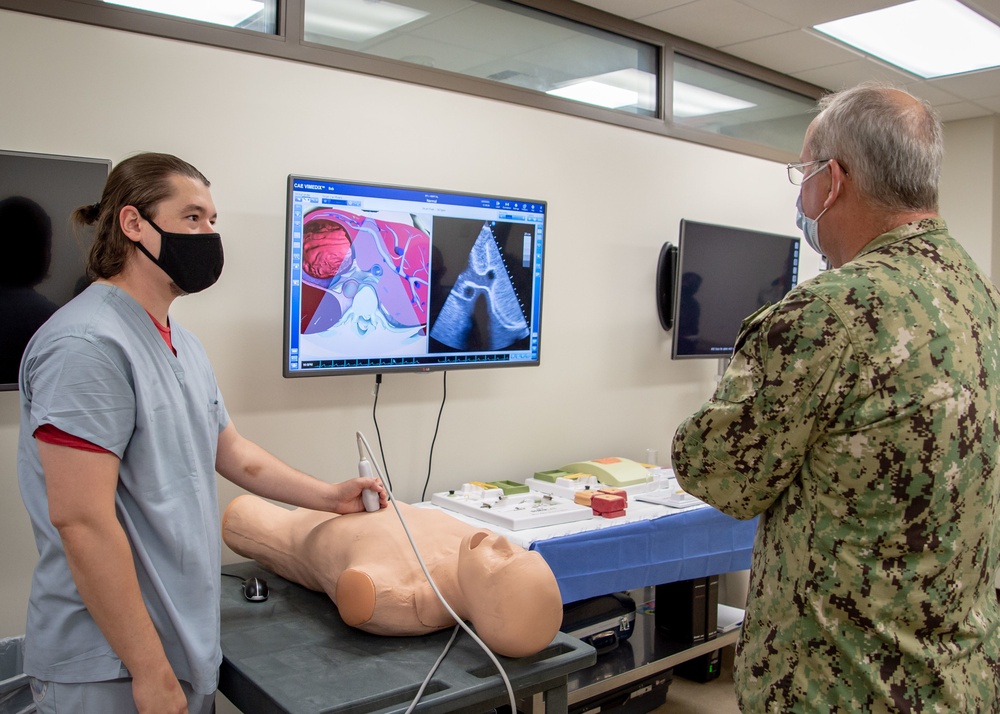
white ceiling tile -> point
(933, 94)
(634, 9)
(961, 110)
(974, 85)
(849, 74)
(807, 13)
(991, 103)
(417, 50)
(990, 9)
(508, 36)
(741, 22)
(793, 52)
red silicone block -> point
(616, 492)
(608, 505)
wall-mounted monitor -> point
(44, 258)
(723, 275)
(382, 278)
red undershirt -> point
(53, 435)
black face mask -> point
(192, 260)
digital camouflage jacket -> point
(859, 418)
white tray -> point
(516, 512)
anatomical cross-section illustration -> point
(364, 284)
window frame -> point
(287, 44)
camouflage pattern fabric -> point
(859, 417)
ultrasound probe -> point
(364, 467)
(368, 496)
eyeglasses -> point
(797, 174)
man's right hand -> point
(159, 693)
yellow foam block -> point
(612, 471)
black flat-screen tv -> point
(723, 275)
(44, 258)
(382, 278)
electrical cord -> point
(378, 434)
(437, 426)
(434, 587)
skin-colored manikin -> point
(365, 564)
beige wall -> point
(970, 188)
(606, 385)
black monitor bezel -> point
(77, 240)
(678, 305)
(407, 367)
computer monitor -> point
(44, 257)
(382, 278)
(723, 275)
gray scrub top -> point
(100, 370)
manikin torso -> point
(365, 564)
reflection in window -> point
(717, 100)
(495, 40)
(257, 15)
(499, 44)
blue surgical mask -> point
(808, 226)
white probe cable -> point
(503, 675)
(434, 668)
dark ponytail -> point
(87, 215)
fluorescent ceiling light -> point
(356, 20)
(219, 12)
(633, 87)
(930, 38)
(598, 93)
(692, 101)
(613, 90)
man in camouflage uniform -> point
(859, 418)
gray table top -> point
(292, 653)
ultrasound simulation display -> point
(392, 283)
(482, 310)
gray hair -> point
(891, 147)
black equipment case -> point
(601, 622)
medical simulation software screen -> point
(386, 278)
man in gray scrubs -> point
(123, 428)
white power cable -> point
(430, 580)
